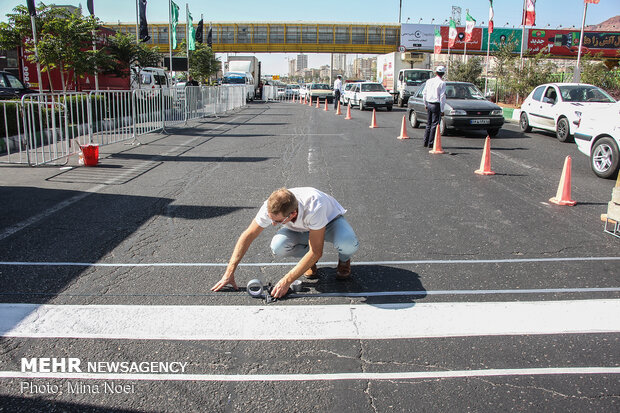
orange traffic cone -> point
(403, 130)
(485, 162)
(562, 197)
(326, 109)
(348, 112)
(293, 98)
(437, 144)
(338, 112)
(373, 124)
(317, 103)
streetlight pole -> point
(400, 9)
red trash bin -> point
(91, 154)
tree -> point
(469, 71)
(504, 62)
(536, 71)
(598, 74)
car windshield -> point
(234, 80)
(416, 77)
(372, 87)
(581, 93)
(463, 91)
(160, 80)
(320, 86)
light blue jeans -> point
(287, 243)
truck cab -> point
(407, 83)
(241, 78)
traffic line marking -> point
(279, 264)
(310, 322)
(408, 375)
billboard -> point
(561, 43)
(566, 42)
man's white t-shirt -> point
(315, 210)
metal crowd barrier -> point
(47, 128)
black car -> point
(11, 87)
(465, 109)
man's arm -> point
(243, 243)
(316, 241)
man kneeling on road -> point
(308, 217)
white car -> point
(555, 106)
(370, 94)
(345, 97)
(598, 136)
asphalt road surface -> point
(469, 293)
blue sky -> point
(548, 12)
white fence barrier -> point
(47, 128)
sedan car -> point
(598, 136)
(370, 95)
(321, 91)
(465, 109)
(345, 97)
(555, 106)
(12, 87)
(292, 90)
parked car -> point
(597, 135)
(281, 92)
(345, 97)
(321, 91)
(370, 94)
(555, 106)
(12, 87)
(465, 109)
(292, 90)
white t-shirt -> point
(314, 211)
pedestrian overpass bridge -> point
(282, 37)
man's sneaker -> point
(311, 272)
(343, 272)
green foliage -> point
(469, 71)
(125, 53)
(536, 71)
(202, 63)
(597, 74)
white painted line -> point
(317, 322)
(343, 294)
(408, 375)
(280, 264)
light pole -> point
(400, 9)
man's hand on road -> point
(226, 280)
(280, 289)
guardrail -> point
(47, 128)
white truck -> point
(399, 77)
(245, 64)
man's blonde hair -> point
(281, 201)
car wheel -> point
(413, 119)
(562, 131)
(493, 132)
(389, 108)
(604, 159)
(401, 102)
(361, 105)
(524, 123)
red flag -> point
(529, 14)
(591, 1)
(491, 15)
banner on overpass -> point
(564, 43)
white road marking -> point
(408, 375)
(280, 264)
(317, 322)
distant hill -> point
(609, 25)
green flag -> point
(174, 20)
(191, 32)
